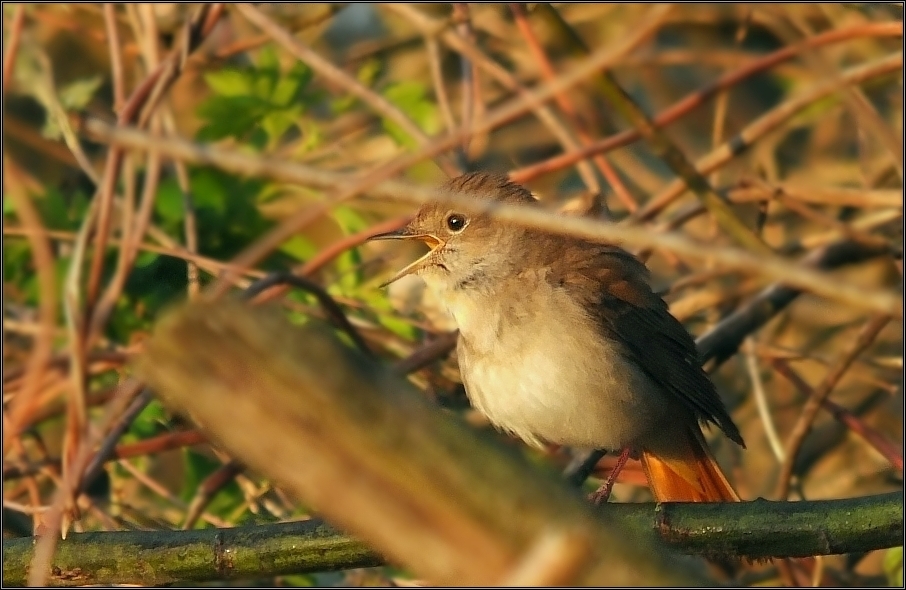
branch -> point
(769, 267)
(755, 529)
(724, 339)
(154, 558)
(358, 444)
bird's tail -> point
(684, 470)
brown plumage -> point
(562, 340)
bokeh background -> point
(348, 102)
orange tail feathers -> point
(687, 472)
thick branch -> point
(369, 453)
(153, 558)
(755, 529)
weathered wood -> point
(373, 457)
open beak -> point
(405, 233)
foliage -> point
(256, 104)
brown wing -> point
(613, 286)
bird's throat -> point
(475, 280)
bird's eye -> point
(456, 222)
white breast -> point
(547, 374)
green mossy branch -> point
(754, 529)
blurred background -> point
(374, 82)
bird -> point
(563, 341)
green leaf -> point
(893, 566)
(229, 82)
(277, 123)
(76, 95)
(410, 97)
(257, 139)
(311, 137)
(271, 192)
(51, 130)
(268, 59)
(369, 71)
(16, 261)
(208, 192)
(349, 269)
(169, 202)
(349, 219)
(377, 301)
(197, 468)
(28, 283)
(150, 421)
(343, 104)
(401, 328)
(78, 208)
(230, 116)
(289, 90)
(8, 207)
(299, 247)
(145, 259)
(267, 73)
(54, 209)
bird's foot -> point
(602, 494)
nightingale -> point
(562, 340)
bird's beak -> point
(406, 233)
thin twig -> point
(190, 221)
(804, 424)
(331, 308)
(568, 35)
(164, 493)
(877, 440)
(438, 348)
(761, 401)
(208, 264)
(832, 196)
(76, 321)
(699, 97)
(440, 90)
(772, 267)
(547, 117)
(116, 57)
(723, 340)
(766, 123)
(244, 45)
(676, 160)
(853, 97)
(149, 446)
(54, 521)
(337, 76)
(129, 244)
(140, 104)
(325, 256)
(212, 484)
(12, 48)
(722, 102)
(107, 446)
(23, 404)
(468, 76)
(47, 92)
